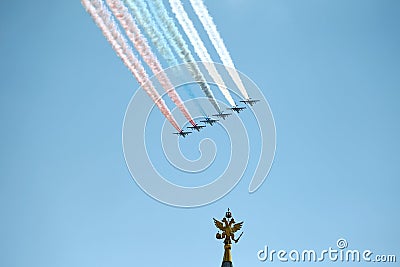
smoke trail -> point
(216, 39)
(176, 40)
(199, 47)
(143, 17)
(104, 21)
(247, 142)
(141, 45)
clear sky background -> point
(330, 71)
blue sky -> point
(329, 70)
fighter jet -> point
(237, 109)
(183, 133)
(196, 127)
(222, 115)
(208, 120)
(250, 101)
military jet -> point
(222, 115)
(196, 127)
(208, 120)
(250, 101)
(183, 133)
(237, 109)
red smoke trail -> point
(102, 18)
(141, 45)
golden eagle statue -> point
(229, 227)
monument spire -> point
(228, 227)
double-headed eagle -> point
(228, 228)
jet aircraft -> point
(208, 120)
(183, 133)
(237, 109)
(250, 101)
(196, 127)
(222, 115)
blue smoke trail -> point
(199, 47)
(172, 34)
(144, 18)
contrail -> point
(141, 45)
(176, 40)
(216, 39)
(144, 18)
(104, 21)
(199, 47)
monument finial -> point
(228, 228)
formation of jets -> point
(222, 115)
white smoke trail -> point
(141, 45)
(176, 40)
(104, 21)
(199, 47)
(143, 17)
(216, 39)
(247, 163)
